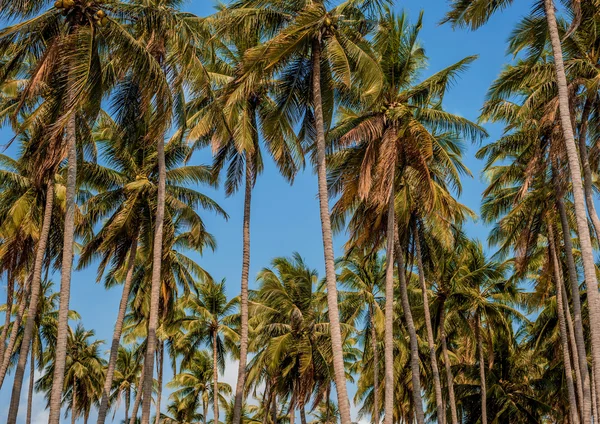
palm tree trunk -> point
(36, 286)
(138, 398)
(587, 252)
(429, 328)
(302, 414)
(74, 402)
(31, 383)
(389, 310)
(15, 329)
(241, 377)
(160, 362)
(594, 400)
(328, 403)
(156, 282)
(127, 402)
(412, 333)
(449, 375)
(65, 275)
(10, 289)
(215, 378)
(584, 375)
(274, 411)
(563, 328)
(376, 406)
(292, 411)
(116, 340)
(481, 368)
(204, 411)
(332, 297)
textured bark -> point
(31, 383)
(10, 289)
(412, 333)
(584, 375)
(127, 405)
(74, 402)
(302, 415)
(389, 312)
(65, 275)
(587, 252)
(23, 302)
(274, 408)
(138, 398)
(204, 411)
(215, 378)
(481, 369)
(36, 287)
(332, 296)
(241, 377)
(429, 329)
(116, 340)
(376, 405)
(449, 375)
(160, 362)
(574, 411)
(156, 282)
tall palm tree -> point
(126, 377)
(475, 14)
(317, 46)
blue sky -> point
(285, 218)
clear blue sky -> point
(285, 219)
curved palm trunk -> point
(160, 362)
(376, 406)
(31, 383)
(584, 375)
(15, 329)
(155, 288)
(36, 286)
(10, 289)
(65, 275)
(412, 333)
(449, 375)
(241, 377)
(429, 328)
(302, 415)
(138, 398)
(332, 297)
(481, 368)
(578, 197)
(389, 311)
(563, 328)
(204, 411)
(215, 378)
(116, 340)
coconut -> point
(58, 4)
(100, 14)
(103, 21)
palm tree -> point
(476, 14)
(314, 36)
(126, 376)
(210, 322)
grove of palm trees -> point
(278, 211)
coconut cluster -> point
(99, 17)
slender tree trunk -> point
(116, 340)
(332, 296)
(587, 171)
(160, 362)
(215, 378)
(389, 310)
(292, 411)
(127, 402)
(241, 377)
(429, 328)
(10, 289)
(65, 275)
(563, 328)
(36, 286)
(412, 333)
(31, 383)
(481, 368)
(156, 282)
(302, 415)
(587, 252)
(204, 410)
(584, 374)
(274, 410)
(138, 398)
(594, 400)
(74, 402)
(449, 375)
(376, 403)
(328, 403)
(23, 302)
